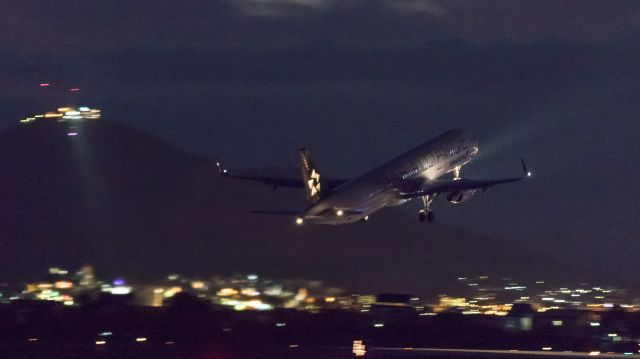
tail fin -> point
(310, 175)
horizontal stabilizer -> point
(285, 212)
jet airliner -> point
(418, 173)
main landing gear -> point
(427, 215)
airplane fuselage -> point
(358, 198)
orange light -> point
(63, 284)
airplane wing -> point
(431, 187)
(275, 182)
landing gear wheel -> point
(431, 216)
(425, 214)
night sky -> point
(358, 82)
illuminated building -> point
(64, 114)
(445, 303)
(87, 279)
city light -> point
(65, 114)
(358, 348)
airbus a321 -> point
(419, 173)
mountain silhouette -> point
(135, 206)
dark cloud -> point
(76, 26)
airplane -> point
(417, 173)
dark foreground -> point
(193, 330)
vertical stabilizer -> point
(310, 175)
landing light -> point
(528, 174)
(339, 212)
(299, 220)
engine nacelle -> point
(460, 196)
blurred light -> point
(358, 348)
(250, 292)
(169, 342)
(63, 284)
(378, 325)
(252, 277)
(293, 345)
(100, 342)
(594, 324)
(594, 353)
(339, 212)
(252, 304)
(141, 339)
(546, 348)
(225, 292)
(84, 108)
(105, 334)
(172, 291)
(281, 324)
(75, 89)
(299, 220)
(118, 281)
(197, 285)
(330, 299)
(33, 339)
(72, 134)
(120, 290)
(557, 323)
(45, 84)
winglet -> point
(527, 173)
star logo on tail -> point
(314, 183)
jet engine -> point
(460, 196)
